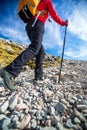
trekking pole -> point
(62, 53)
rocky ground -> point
(47, 104)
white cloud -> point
(14, 34)
(78, 22)
(74, 53)
(76, 47)
(14, 30)
(52, 36)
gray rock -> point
(76, 120)
(15, 124)
(6, 123)
(4, 106)
(33, 123)
(81, 107)
(13, 102)
(51, 110)
(26, 96)
(59, 126)
(80, 116)
(54, 121)
(72, 101)
(32, 111)
(77, 127)
(79, 97)
(14, 118)
(25, 121)
(48, 123)
(69, 123)
(60, 107)
(85, 102)
(2, 116)
(85, 125)
(21, 116)
(38, 115)
(48, 128)
(2, 89)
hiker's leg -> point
(39, 60)
(35, 34)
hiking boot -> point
(39, 77)
(8, 79)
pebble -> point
(33, 123)
(24, 121)
(13, 102)
(69, 123)
(76, 120)
(81, 107)
(59, 107)
(49, 128)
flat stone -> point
(48, 128)
(24, 121)
(81, 107)
(2, 116)
(76, 120)
(4, 106)
(5, 123)
(80, 116)
(21, 106)
(85, 102)
(48, 123)
(2, 89)
(72, 102)
(51, 110)
(48, 92)
(60, 126)
(54, 121)
(69, 123)
(60, 107)
(13, 102)
(79, 97)
(33, 123)
(85, 125)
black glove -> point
(67, 22)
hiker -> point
(35, 49)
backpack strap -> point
(39, 12)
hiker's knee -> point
(34, 50)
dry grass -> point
(8, 52)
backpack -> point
(27, 9)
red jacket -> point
(47, 5)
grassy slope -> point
(8, 52)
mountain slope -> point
(10, 50)
(46, 104)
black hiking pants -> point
(35, 49)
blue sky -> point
(12, 28)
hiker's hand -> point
(67, 23)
